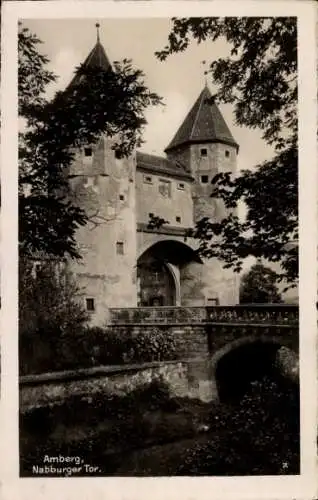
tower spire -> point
(97, 28)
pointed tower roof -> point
(204, 123)
(97, 58)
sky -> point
(178, 80)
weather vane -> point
(97, 27)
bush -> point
(109, 346)
(258, 437)
(50, 350)
(155, 345)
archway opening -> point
(156, 285)
(243, 365)
(158, 273)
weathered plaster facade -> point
(124, 263)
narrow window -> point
(227, 153)
(150, 215)
(165, 188)
(120, 248)
(37, 270)
(213, 301)
(90, 304)
(204, 152)
(88, 152)
(204, 179)
(178, 219)
(121, 197)
(147, 179)
(180, 185)
(117, 155)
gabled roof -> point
(160, 165)
(97, 58)
(204, 123)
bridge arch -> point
(239, 363)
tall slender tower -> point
(205, 145)
(104, 186)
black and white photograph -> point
(159, 252)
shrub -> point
(258, 437)
(112, 346)
(154, 345)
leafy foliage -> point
(259, 77)
(155, 345)
(155, 222)
(258, 286)
(80, 346)
(258, 437)
(287, 363)
(102, 102)
(49, 299)
(49, 313)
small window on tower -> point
(90, 304)
(227, 153)
(122, 197)
(147, 179)
(120, 248)
(117, 155)
(204, 179)
(88, 152)
(181, 186)
(178, 219)
(204, 152)
(212, 301)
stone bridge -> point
(226, 346)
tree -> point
(259, 77)
(103, 102)
(258, 286)
(50, 313)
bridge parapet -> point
(158, 315)
(257, 314)
(250, 314)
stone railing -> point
(150, 315)
(267, 314)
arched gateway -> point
(159, 273)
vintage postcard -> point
(159, 265)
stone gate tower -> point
(119, 196)
(104, 186)
(205, 145)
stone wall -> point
(200, 347)
(184, 379)
(150, 200)
(105, 189)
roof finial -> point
(97, 27)
(205, 73)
